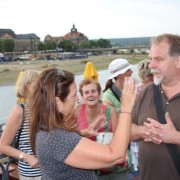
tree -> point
(50, 45)
(8, 45)
(41, 46)
(103, 43)
(85, 44)
(1, 46)
(88, 44)
(93, 44)
(132, 51)
(67, 45)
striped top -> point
(24, 145)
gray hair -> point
(173, 41)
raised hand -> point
(129, 93)
(93, 128)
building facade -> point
(73, 36)
(23, 42)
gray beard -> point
(157, 81)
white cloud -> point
(94, 18)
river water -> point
(8, 98)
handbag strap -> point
(108, 111)
(161, 117)
(21, 127)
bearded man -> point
(154, 158)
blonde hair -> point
(144, 71)
(27, 78)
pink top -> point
(83, 124)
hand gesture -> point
(93, 128)
(157, 132)
(128, 95)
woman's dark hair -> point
(51, 83)
(109, 83)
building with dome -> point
(73, 36)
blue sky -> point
(95, 18)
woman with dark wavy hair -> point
(62, 152)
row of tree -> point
(70, 46)
(8, 45)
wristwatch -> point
(21, 156)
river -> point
(8, 98)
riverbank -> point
(8, 98)
(10, 71)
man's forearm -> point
(137, 132)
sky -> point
(94, 18)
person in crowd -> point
(62, 152)
(19, 117)
(119, 69)
(91, 107)
(19, 100)
(144, 73)
(146, 77)
(88, 112)
(154, 158)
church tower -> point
(73, 30)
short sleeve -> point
(66, 142)
(57, 144)
(106, 97)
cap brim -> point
(120, 72)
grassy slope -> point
(10, 71)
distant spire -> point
(73, 30)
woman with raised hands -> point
(61, 151)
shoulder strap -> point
(158, 104)
(21, 127)
(116, 92)
(161, 117)
(108, 112)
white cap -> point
(118, 66)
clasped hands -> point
(157, 133)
